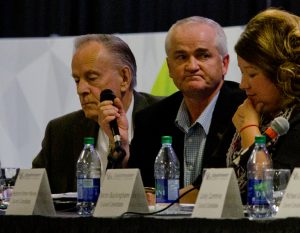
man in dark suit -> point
(99, 62)
(198, 117)
(159, 119)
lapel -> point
(140, 102)
(220, 124)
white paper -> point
(31, 194)
(219, 195)
(122, 191)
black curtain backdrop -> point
(42, 18)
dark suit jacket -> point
(286, 151)
(159, 119)
(63, 143)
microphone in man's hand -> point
(119, 153)
(108, 94)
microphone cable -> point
(73, 206)
(165, 208)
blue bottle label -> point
(257, 190)
(166, 190)
(88, 189)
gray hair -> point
(118, 48)
(221, 41)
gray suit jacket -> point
(63, 142)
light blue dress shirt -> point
(194, 139)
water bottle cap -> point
(88, 140)
(166, 139)
(260, 139)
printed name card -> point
(122, 191)
(219, 195)
(290, 204)
(31, 194)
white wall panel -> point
(36, 85)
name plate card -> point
(290, 203)
(219, 195)
(122, 191)
(31, 194)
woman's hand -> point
(246, 121)
(245, 115)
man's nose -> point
(83, 87)
(192, 64)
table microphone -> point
(279, 126)
(117, 155)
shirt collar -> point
(182, 119)
(129, 118)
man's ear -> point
(167, 60)
(127, 78)
(225, 64)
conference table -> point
(70, 222)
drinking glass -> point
(277, 180)
(8, 178)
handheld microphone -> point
(279, 126)
(108, 94)
(117, 155)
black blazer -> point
(63, 142)
(159, 119)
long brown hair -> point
(271, 41)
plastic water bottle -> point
(88, 178)
(259, 161)
(166, 174)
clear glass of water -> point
(277, 179)
(8, 178)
